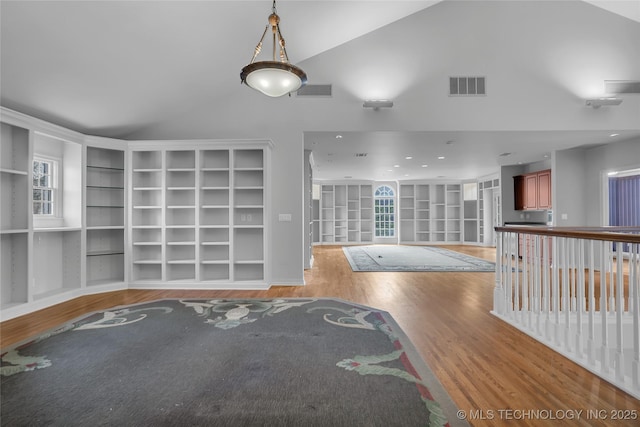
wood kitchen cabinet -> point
(532, 191)
(544, 189)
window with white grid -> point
(44, 187)
(384, 204)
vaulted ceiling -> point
(170, 69)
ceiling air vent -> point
(315, 91)
(360, 155)
(621, 86)
(467, 86)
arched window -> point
(384, 203)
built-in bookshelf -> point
(61, 252)
(41, 214)
(198, 216)
(366, 213)
(428, 212)
(407, 213)
(173, 214)
(353, 213)
(486, 190)
(248, 215)
(105, 215)
(345, 214)
(147, 215)
(453, 213)
(15, 213)
(327, 215)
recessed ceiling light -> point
(408, 158)
(440, 157)
(424, 166)
(389, 170)
(614, 134)
(406, 174)
(338, 136)
(546, 156)
(396, 166)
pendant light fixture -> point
(277, 77)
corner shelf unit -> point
(198, 215)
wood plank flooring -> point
(491, 370)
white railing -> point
(576, 290)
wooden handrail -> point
(609, 233)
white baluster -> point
(580, 296)
(546, 289)
(556, 289)
(566, 295)
(591, 350)
(604, 349)
(612, 301)
(515, 296)
(619, 312)
(498, 291)
(509, 284)
(634, 284)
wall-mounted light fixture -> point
(376, 104)
(599, 102)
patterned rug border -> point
(434, 386)
(479, 265)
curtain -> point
(624, 201)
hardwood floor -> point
(491, 370)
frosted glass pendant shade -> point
(273, 78)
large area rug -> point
(276, 362)
(412, 258)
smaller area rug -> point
(224, 362)
(412, 258)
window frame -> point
(384, 212)
(54, 186)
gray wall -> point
(568, 190)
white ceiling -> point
(170, 69)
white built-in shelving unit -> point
(346, 213)
(198, 215)
(366, 213)
(128, 214)
(15, 218)
(429, 212)
(41, 256)
(486, 189)
(105, 215)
